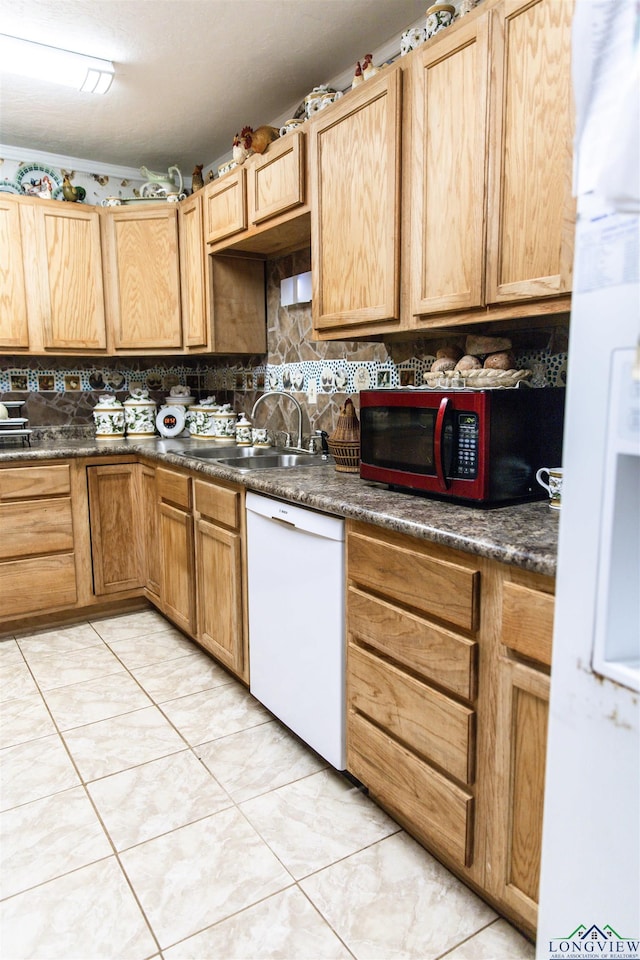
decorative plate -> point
(9, 186)
(29, 179)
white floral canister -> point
(243, 432)
(200, 417)
(224, 423)
(140, 414)
(108, 416)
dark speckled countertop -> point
(525, 535)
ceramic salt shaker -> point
(243, 432)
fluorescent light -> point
(295, 289)
(40, 62)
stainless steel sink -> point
(268, 461)
(248, 458)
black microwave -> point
(482, 447)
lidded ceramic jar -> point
(224, 423)
(108, 416)
(243, 432)
(200, 417)
(140, 414)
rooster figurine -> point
(196, 178)
(357, 77)
(253, 141)
(368, 69)
(71, 193)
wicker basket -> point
(344, 442)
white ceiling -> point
(189, 73)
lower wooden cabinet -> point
(115, 527)
(175, 520)
(37, 558)
(447, 698)
(219, 573)
(151, 560)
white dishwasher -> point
(296, 620)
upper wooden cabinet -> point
(484, 227)
(355, 199)
(532, 212)
(51, 277)
(143, 278)
(193, 275)
(448, 173)
(14, 324)
(261, 206)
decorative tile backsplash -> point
(62, 391)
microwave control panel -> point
(467, 446)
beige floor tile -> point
(60, 640)
(89, 914)
(24, 719)
(260, 759)
(202, 873)
(168, 644)
(500, 941)
(48, 838)
(215, 713)
(93, 700)
(17, 681)
(128, 625)
(53, 670)
(159, 796)
(9, 653)
(170, 679)
(121, 742)
(33, 770)
(283, 927)
(393, 900)
(316, 821)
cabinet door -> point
(115, 526)
(66, 251)
(521, 741)
(193, 285)
(448, 170)
(355, 195)
(532, 213)
(225, 203)
(14, 329)
(276, 181)
(219, 571)
(176, 540)
(144, 277)
(150, 539)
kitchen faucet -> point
(281, 393)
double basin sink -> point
(242, 458)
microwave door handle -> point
(438, 443)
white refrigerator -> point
(590, 873)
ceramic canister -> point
(224, 423)
(200, 418)
(140, 414)
(108, 415)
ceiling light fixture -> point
(40, 62)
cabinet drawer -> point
(438, 587)
(438, 811)
(218, 503)
(432, 651)
(35, 527)
(424, 719)
(527, 622)
(174, 487)
(41, 583)
(21, 483)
